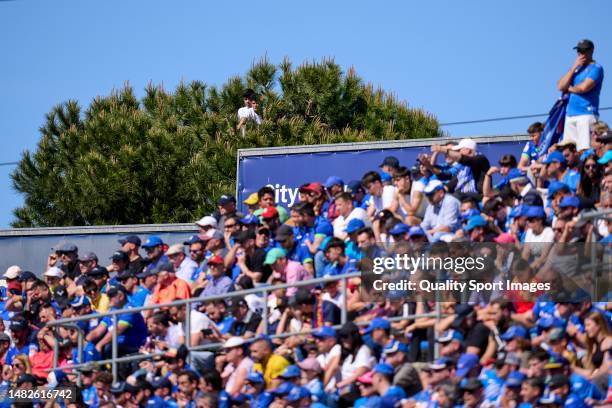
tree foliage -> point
(167, 157)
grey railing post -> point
(265, 312)
(188, 331)
(438, 316)
(344, 300)
(80, 354)
(114, 345)
(55, 347)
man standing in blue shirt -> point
(583, 82)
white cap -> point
(432, 186)
(233, 342)
(175, 249)
(55, 272)
(12, 272)
(207, 221)
(465, 144)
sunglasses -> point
(228, 226)
(590, 166)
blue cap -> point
(514, 331)
(586, 154)
(354, 225)
(533, 198)
(298, 393)
(161, 382)
(474, 222)
(515, 379)
(548, 321)
(399, 229)
(384, 176)
(192, 240)
(606, 158)
(515, 174)
(325, 331)
(80, 301)
(556, 186)
(416, 231)
(152, 241)
(440, 364)
(533, 211)
(378, 323)
(250, 220)
(570, 201)
(466, 362)
(450, 335)
(466, 215)
(332, 181)
(291, 371)
(394, 346)
(384, 368)
(580, 295)
(555, 157)
(283, 389)
(354, 186)
(255, 377)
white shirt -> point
(537, 241)
(325, 358)
(249, 113)
(385, 200)
(172, 339)
(363, 358)
(232, 372)
(199, 321)
(186, 269)
(419, 187)
(341, 222)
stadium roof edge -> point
(100, 229)
(384, 144)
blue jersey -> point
(299, 253)
(492, 384)
(90, 397)
(531, 151)
(136, 333)
(586, 103)
(138, 299)
(14, 351)
(583, 388)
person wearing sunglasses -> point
(591, 175)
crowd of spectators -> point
(495, 349)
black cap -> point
(24, 378)
(390, 161)
(238, 303)
(18, 325)
(97, 272)
(120, 256)
(126, 274)
(283, 232)
(558, 380)
(145, 274)
(26, 275)
(132, 239)
(121, 387)
(243, 236)
(164, 266)
(161, 382)
(584, 45)
(226, 199)
(303, 297)
(471, 384)
(114, 290)
(60, 295)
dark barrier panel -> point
(285, 169)
(31, 251)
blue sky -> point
(458, 60)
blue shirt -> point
(446, 213)
(138, 299)
(571, 178)
(299, 253)
(586, 103)
(14, 351)
(531, 151)
(90, 397)
(217, 286)
(136, 333)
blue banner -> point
(286, 172)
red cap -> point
(270, 212)
(505, 238)
(14, 284)
(215, 260)
(366, 378)
(316, 187)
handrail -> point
(182, 302)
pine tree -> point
(167, 157)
